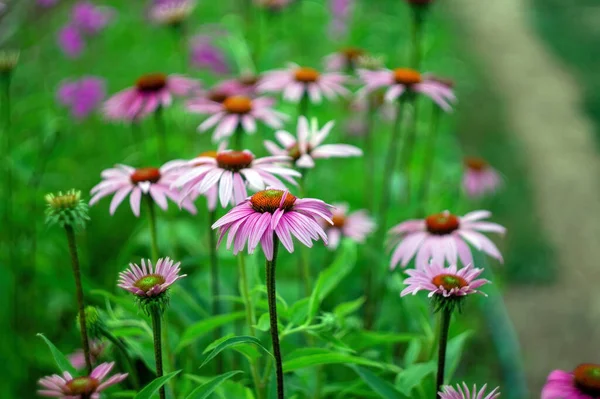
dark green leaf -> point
(233, 342)
(412, 376)
(332, 358)
(154, 386)
(61, 360)
(378, 385)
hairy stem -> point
(272, 299)
(444, 327)
(155, 314)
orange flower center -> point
(406, 76)
(477, 164)
(145, 174)
(237, 104)
(441, 223)
(449, 281)
(269, 201)
(81, 386)
(587, 379)
(152, 82)
(234, 160)
(338, 220)
(352, 53)
(306, 75)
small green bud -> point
(8, 60)
(93, 322)
(66, 209)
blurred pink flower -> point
(271, 213)
(149, 93)
(581, 383)
(77, 358)
(295, 82)
(480, 178)
(89, 18)
(443, 237)
(306, 146)
(244, 85)
(340, 15)
(444, 281)
(124, 180)
(70, 41)
(69, 387)
(147, 281)
(403, 80)
(344, 60)
(82, 96)
(206, 55)
(171, 12)
(356, 226)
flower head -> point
(123, 180)
(66, 209)
(273, 214)
(206, 55)
(444, 236)
(150, 92)
(480, 178)
(296, 82)
(71, 41)
(8, 60)
(149, 282)
(307, 145)
(404, 80)
(356, 225)
(82, 96)
(172, 12)
(232, 172)
(581, 383)
(77, 358)
(89, 18)
(69, 387)
(236, 112)
(462, 392)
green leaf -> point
(263, 323)
(154, 386)
(233, 342)
(412, 352)
(412, 376)
(331, 277)
(347, 308)
(367, 339)
(203, 391)
(383, 388)
(61, 360)
(301, 362)
(454, 352)
(205, 326)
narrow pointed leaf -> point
(203, 391)
(383, 388)
(61, 360)
(155, 385)
(233, 342)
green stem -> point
(369, 155)
(272, 300)
(419, 12)
(128, 361)
(152, 227)
(238, 139)
(80, 301)
(155, 314)
(250, 319)
(214, 278)
(303, 105)
(408, 148)
(428, 161)
(161, 134)
(444, 327)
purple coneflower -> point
(480, 178)
(82, 96)
(231, 172)
(462, 392)
(443, 236)
(444, 281)
(70, 41)
(295, 82)
(89, 18)
(147, 281)
(236, 112)
(306, 146)
(124, 180)
(581, 383)
(150, 93)
(77, 358)
(206, 55)
(347, 59)
(171, 12)
(403, 80)
(356, 226)
(69, 387)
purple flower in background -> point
(340, 12)
(204, 54)
(70, 41)
(90, 19)
(82, 96)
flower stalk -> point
(369, 156)
(161, 134)
(155, 314)
(409, 144)
(214, 278)
(445, 315)
(429, 161)
(272, 300)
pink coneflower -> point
(231, 172)
(124, 180)
(273, 211)
(356, 226)
(149, 93)
(89, 18)
(444, 236)
(82, 96)
(70, 41)
(147, 281)
(69, 387)
(204, 54)
(462, 392)
(480, 178)
(306, 146)
(296, 82)
(77, 358)
(403, 80)
(581, 383)
(347, 59)
(172, 12)
(236, 112)
(444, 281)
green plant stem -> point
(369, 155)
(214, 279)
(445, 315)
(250, 319)
(409, 144)
(238, 138)
(128, 361)
(161, 134)
(80, 301)
(152, 227)
(272, 300)
(419, 12)
(155, 314)
(303, 105)
(429, 160)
